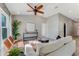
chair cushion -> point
(7, 44)
(11, 39)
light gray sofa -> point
(65, 46)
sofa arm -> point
(29, 51)
(74, 46)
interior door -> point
(65, 30)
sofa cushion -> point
(66, 50)
(66, 40)
(50, 47)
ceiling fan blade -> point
(39, 7)
(30, 6)
(40, 12)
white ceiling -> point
(70, 10)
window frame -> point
(4, 26)
(8, 26)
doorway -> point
(65, 29)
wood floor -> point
(77, 46)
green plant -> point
(15, 52)
(15, 27)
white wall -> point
(69, 25)
(76, 29)
(52, 26)
(55, 25)
(43, 27)
(29, 19)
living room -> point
(55, 22)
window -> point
(4, 28)
(4, 33)
(3, 21)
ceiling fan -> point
(36, 9)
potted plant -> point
(15, 52)
(15, 27)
